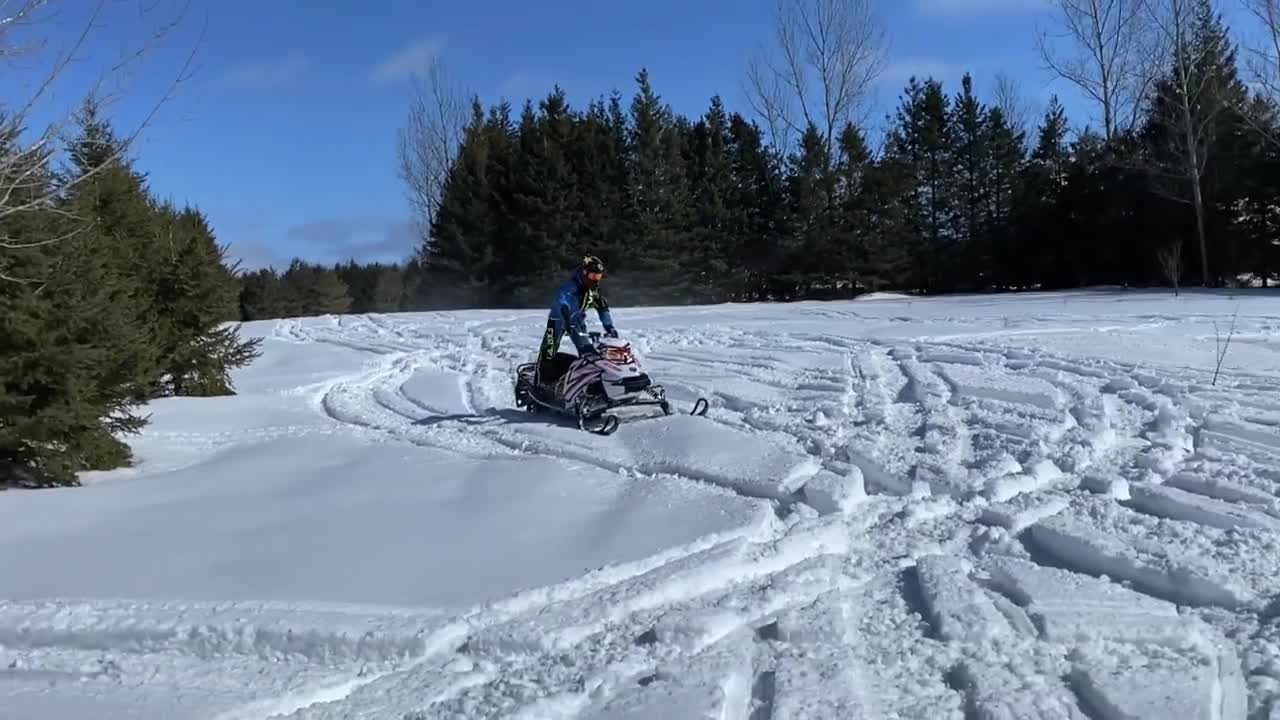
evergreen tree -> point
(805, 258)
(598, 156)
(458, 265)
(866, 248)
(197, 292)
(719, 223)
(657, 195)
(970, 166)
(1036, 239)
(758, 190)
(115, 219)
(702, 210)
(42, 371)
(921, 145)
(311, 289)
(547, 222)
(1004, 163)
(262, 296)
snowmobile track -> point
(1044, 531)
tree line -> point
(961, 194)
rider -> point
(568, 314)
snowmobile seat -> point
(555, 369)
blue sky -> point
(286, 133)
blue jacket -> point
(569, 310)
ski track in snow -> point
(964, 528)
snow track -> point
(981, 523)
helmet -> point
(592, 270)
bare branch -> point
(1114, 60)
(429, 144)
(1013, 104)
(9, 243)
(768, 98)
(1263, 63)
(22, 165)
(827, 55)
(1221, 347)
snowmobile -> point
(589, 389)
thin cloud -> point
(898, 72)
(364, 238)
(523, 83)
(267, 73)
(406, 61)
(254, 254)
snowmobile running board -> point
(611, 422)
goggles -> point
(595, 276)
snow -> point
(1022, 506)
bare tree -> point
(1170, 259)
(1192, 102)
(429, 144)
(22, 190)
(1012, 103)
(1264, 61)
(827, 55)
(1114, 61)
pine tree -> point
(197, 293)
(37, 411)
(547, 221)
(458, 265)
(598, 156)
(858, 248)
(311, 289)
(1253, 218)
(657, 195)
(1036, 239)
(889, 260)
(920, 143)
(389, 290)
(804, 259)
(262, 295)
(759, 191)
(1004, 162)
(718, 222)
(970, 164)
(111, 203)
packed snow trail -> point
(1038, 506)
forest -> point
(111, 296)
(963, 193)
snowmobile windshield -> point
(618, 355)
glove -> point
(611, 332)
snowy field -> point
(1030, 506)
